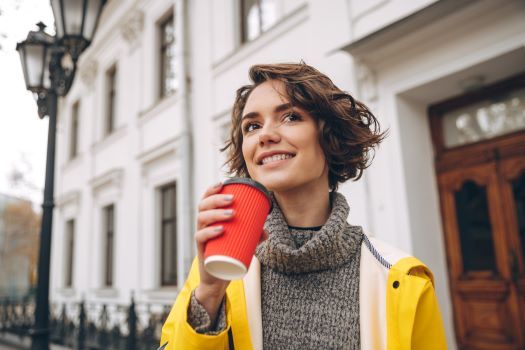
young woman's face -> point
(280, 145)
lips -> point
(268, 157)
(276, 157)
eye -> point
(248, 127)
(292, 117)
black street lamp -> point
(49, 65)
(76, 22)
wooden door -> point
(479, 144)
(483, 209)
(513, 194)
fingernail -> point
(228, 197)
(228, 212)
(218, 228)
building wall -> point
(401, 78)
(396, 200)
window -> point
(70, 250)
(168, 228)
(257, 16)
(168, 81)
(111, 99)
(73, 136)
(109, 233)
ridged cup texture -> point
(243, 232)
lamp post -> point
(49, 65)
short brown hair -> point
(348, 131)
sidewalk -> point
(3, 346)
(10, 342)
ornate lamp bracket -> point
(42, 104)
(62, 70)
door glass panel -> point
(485, 119)
(518, 189)
(477, 246)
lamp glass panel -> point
(73, 15)
(35, 65)
(90, 22)
(55, 5)
(22, 53)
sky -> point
(23, 135)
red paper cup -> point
(228, 256)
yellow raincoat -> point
(398, 307)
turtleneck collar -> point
(333, 245)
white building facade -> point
(140, 131)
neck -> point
(305, 207)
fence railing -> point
(90, 325)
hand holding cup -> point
(229, 255)
(214, 213)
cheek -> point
(316, 152)
(311, 142)
(247, 152)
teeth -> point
(276, 157)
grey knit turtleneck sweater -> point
(309, 284)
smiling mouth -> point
(276, 158)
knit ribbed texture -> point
(309, 284)
(334, 245)
(200, 321)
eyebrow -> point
(280, 108)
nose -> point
(268, 134)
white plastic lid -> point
(225, 267)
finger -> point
(204, 235)
(215, 201)
(208, 217)
(212, 190)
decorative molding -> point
(112, 178)
(158, 107)
(410, 31)
(131, 28)
(88, 73)
(366, 81)
(285, 24)
(110, 139)
(168, 148)
(68, 198)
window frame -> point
(73, 130)
(163, 223)
(111, 100)
(70, 253)
(244, 23)
(109, 245)
(162, 48)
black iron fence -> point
(90, 325)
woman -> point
(316, 282)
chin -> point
(277, 182)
